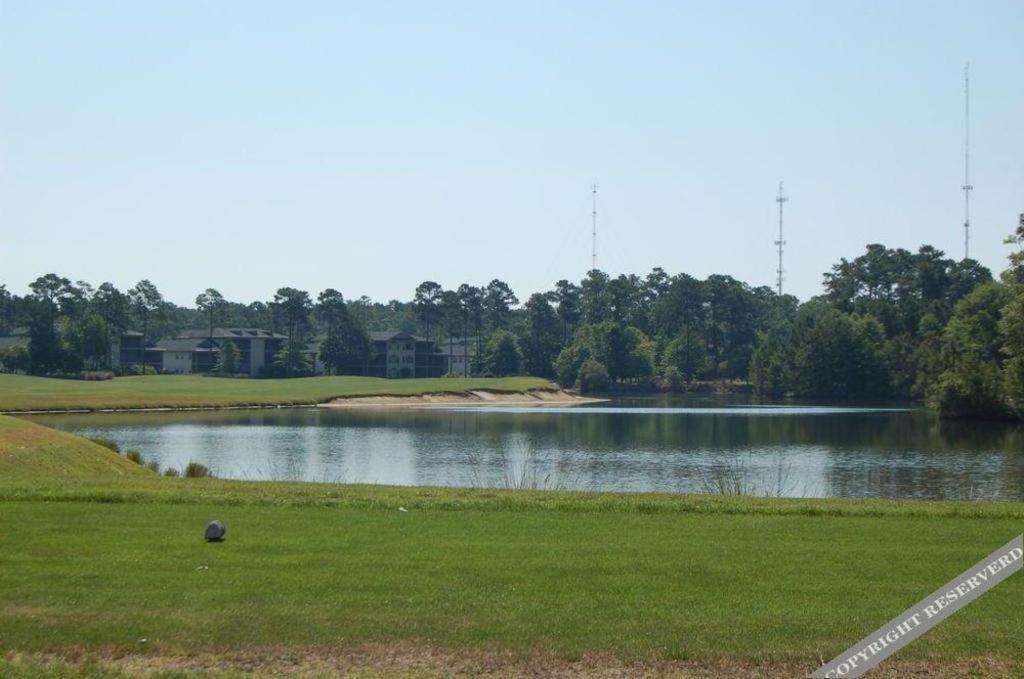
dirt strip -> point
(410, 660)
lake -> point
(721, 445)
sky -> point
(370, 146)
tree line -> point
(624, 324)
(890, 323)
(896, 324)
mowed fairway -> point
(25, 393)
(665, 586)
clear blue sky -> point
(369, 146)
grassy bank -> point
(112, 569)
(25, 393)
(32, 454)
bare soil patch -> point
(411, 660)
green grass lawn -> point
(92, 566)
(638, 585)
(22, 392)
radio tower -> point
(967, 188)
(780, 200)
(593, 230)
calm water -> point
(638, 444)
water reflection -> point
(639, 444)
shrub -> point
(106, 443)
(90, 375)
(96, 375)
(15, 359)
(227, 361)
(569, 362)
(135, 456)
(135, 370)
(674, 379)
(233, 376)
(971, 390)
(625, 352)
(688, 354)
(171, 471)
(593, 376)
(153, 467)
(292, 360)
(502, 354)
(194, 470)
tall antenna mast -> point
(967, 188)
(593, 231)
(780, 200)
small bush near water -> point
(194, 470)
(171, 471)
(135, 456)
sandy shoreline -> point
(476, 397)
(533, 398)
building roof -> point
(233, 333)
(387, 335)
(184, 344)
(458, 342)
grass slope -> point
(30, 452)
(22, 392)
